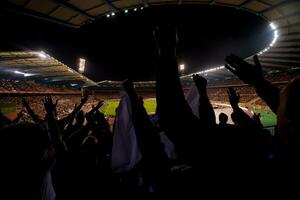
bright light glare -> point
(126, 11)
(112, 14)
(181, 67)
(42, 55)
(18, 72)
(211, 70)
(142, 8)
(273, 26)
(108, 15)
(81, 65)
(275, 37)
(24, 74)
(135, 9)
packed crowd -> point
(65, 158)
(23, 86)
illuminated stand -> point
(181, 69)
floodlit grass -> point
(268, 118)
(110, 106)
(7, 108)
(150, 105)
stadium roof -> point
(79, 12)
(40, 68)
(284, 15)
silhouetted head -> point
(141, 100)
(90, 149)
(24, 158)
(80, 117)
(223, 118)
(288, 114)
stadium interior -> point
(34, 74)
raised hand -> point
(166, 37)
(24, 102)
(50, 107)
(200, 83)
(234, 97)
(99, 104)
(128, 85)
(250, 74)
(84, 99)
(21, 113)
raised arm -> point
(80, 134)
(69, 118)
(206, 111)
(53, 128)
(148, 139)
(239, 114)
(142, 123)
(253, 75)
(174, 114)
(171, 101)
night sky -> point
(122, 46)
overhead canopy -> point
(284, 14)
(79, 12)
(40, 68)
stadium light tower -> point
(181, 69)
(81, 65)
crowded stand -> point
(23, 87)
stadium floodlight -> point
(273, 26)
(275, 37)
(135, 9)
(126, 11)
(81, 65)
(108, 15)
(181, 67)
(112, 14)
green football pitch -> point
(109, 107)
(268, 118)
